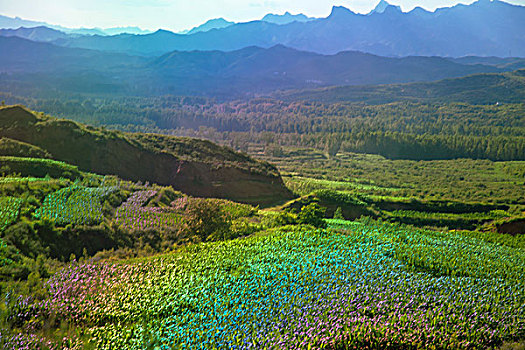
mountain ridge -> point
(493, 28)
(476, 89)
(250, 70)
(7, 22)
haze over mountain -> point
(477, 89)
(41, 33)
(249, 70)
(217, 23)
(286, 18)
(484, 28)
(16, 22)
(382, 6)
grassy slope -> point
(458, 194)
(194, 166)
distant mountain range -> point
(251, 70)
(41, 33)
(383, 6)
(484, 28)
(220, 23)
(16, 22)
(217, 23)
(286, 18)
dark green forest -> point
(397, 130)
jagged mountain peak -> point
(340, 11)
(216, 23)
(383, 6)
(286, 18)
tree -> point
(273, 150)
(333, 145)
(338, 214)
(206, 219)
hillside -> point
(285, 67)
(193, 166)
(474, 89)
(26, 56)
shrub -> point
(285, 218)
(312, 214)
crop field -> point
(133, 215)
(9, 211)
(465, 180)
(75, 205)
(466, 221)
(365, 285)
(304, 185)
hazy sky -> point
(177, 15)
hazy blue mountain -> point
(381, 7)
(16, 22)
(286, 18)
(300, 68)
(225, 74)
(36, 34)
(220, 23)
(217, 23)
(484, 28)
(125, 30)
(507, 63)
(486, 88)
(81, 31)
(26, 56)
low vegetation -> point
(292, 287)
(96, 261)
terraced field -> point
(75, 205)
(9, 211)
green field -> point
(462, 179)
(453, 194)
(75, 205)
(9, 211)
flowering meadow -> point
(75, 205)
(9, 211)
(366, 285)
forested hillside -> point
(480, 116)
